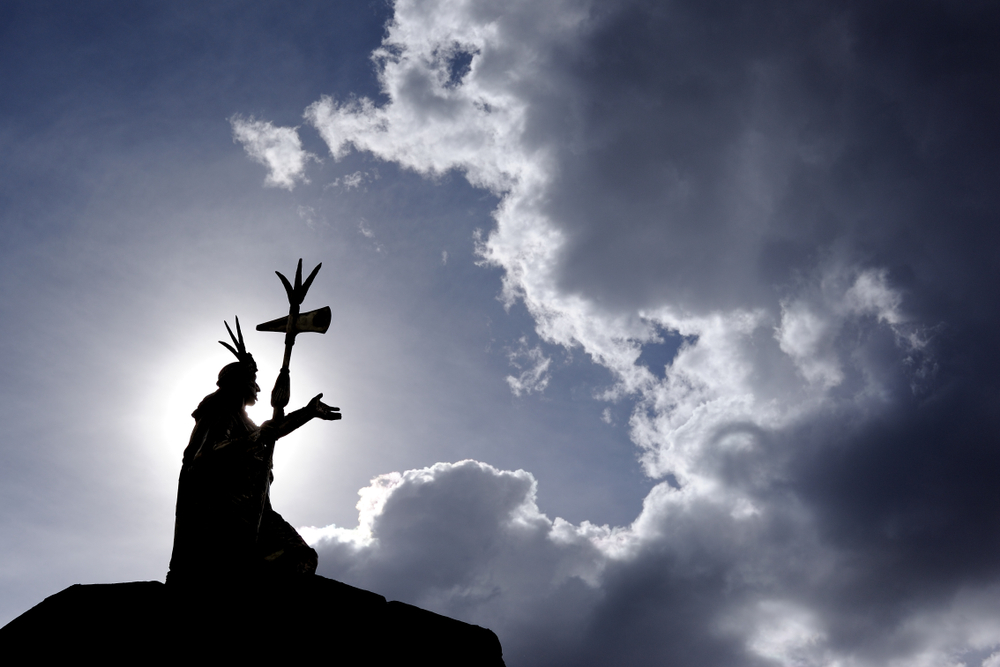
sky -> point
(664, 331)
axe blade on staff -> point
(294, 324)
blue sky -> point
(663, 331)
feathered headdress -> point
(244, 357)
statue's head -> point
(240, 378)
(241, 375)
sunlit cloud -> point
(277, 148)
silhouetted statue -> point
(236, 593)
(225, 527)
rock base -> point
(306, 618)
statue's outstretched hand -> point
(318, 408)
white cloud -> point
(786, 634)
(467, 540)
(277, 148)
(354, 180)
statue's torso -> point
(221, 495)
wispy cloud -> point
(533, 366)
(365, 230)
(355, 179)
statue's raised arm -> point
(291, 326)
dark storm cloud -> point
(806, 195)
(724, 148)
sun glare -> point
(191, 377)
(191, 383)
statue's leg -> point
(282, 549)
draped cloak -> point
(225, 527)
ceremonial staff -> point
(315, 320)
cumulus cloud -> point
(692, 579)
(771, 185)
(468, 540)
(277, 148)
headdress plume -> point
(240, 350)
